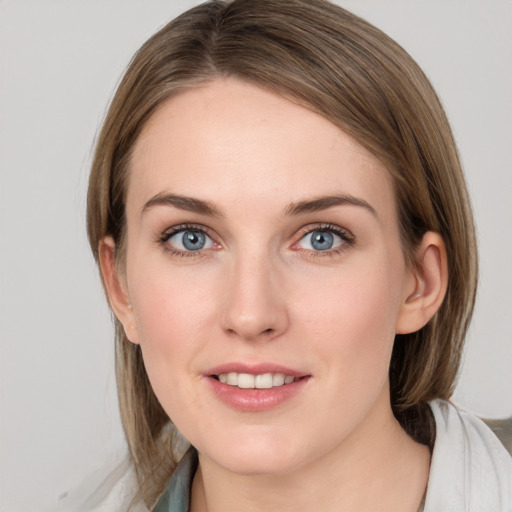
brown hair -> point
(340, 66)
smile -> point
(260, 381)
(256, 387)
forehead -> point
(232, 141)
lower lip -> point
(256, 400)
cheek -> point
(172, 312)
(172, 316)
(351, 316)
(361, 298)
(164, 297)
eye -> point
(186, 240)
(324, 239)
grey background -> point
(59, 64)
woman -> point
(285, 238)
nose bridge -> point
(254, 304)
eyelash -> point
(166, 235)
(348, 240)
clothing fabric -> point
(470, 469)
(176, 497)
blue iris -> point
(193, 240)
(322, 240)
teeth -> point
(245, 381)
(232, 379)
(278, 379)
(262, 381)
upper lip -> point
(254, 369)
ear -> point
(426, 286)
(116, 288)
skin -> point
(259, 292)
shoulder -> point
(470, 468)
(503, 430)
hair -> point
(334, 63)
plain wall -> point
(59, 63)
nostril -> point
(265, 332)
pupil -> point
(322, 240)
(193, 240)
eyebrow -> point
(323, 203)
(200, 206)
(189, 204)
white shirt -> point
(470, 469)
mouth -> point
(256, 387)
(258, 381)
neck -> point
(379, 467)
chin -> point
(259, 455)
(249, 465)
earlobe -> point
(426, 288)
(116, 289)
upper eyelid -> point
(172, 230)
(344, 232)
(164, 237)
(163, 240)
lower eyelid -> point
(164, 238)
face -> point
(265, 277)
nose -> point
(254, 305)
